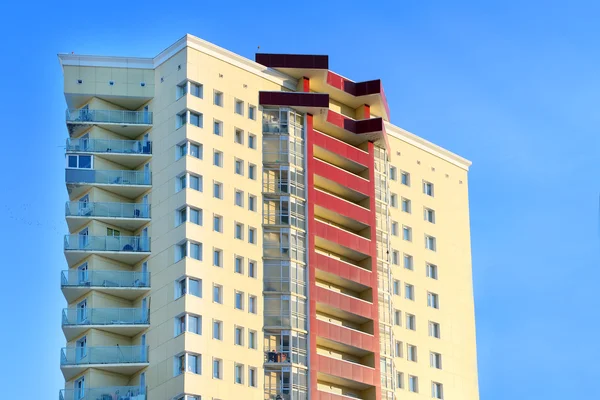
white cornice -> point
(429, 147)
(186, 41)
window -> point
(217, 258)
(218, 223)
(393, 173)
(239, 231)
(196, 90)
(217, 368)
(251, 141)
(238, 136)
(218, 128)
(428, 188)
(188, 148)
(395, 257)
(180, 251)
(435, 360)
(434, 329)
(239, 374)
(196, 150)
(238, 336)
(252, 304)
(411, 322)
(252, 235)
(239, 198)
(180, 182)
(413, 384)
(405, 178)
(196, 182)
(432, 271)
(251, 202)
(252, 377)
(218, 190)
(181, 119)
(251, 339)
(430, 243)
(239, 107)
(395, 228)
(407, 233)
(251, 171)
(188, 286)
(396, 287)
(251, 112)
(196, 251)
(437, 390)
(398, 348)
(79, 161)
(217, 330)
(239, 167)
(238, 265)
(217, 158)
(397, 317)
(429, 215)
(181, 151)
(406, 205)
(394, 200)
(195, 216)
(409, 291)
(181, 216)
(217, 294)
(408, 261)
(113, 232)
(196, 119)
(218, 98)
(187, 363)
(239, 300)
(252, 269)
(188, 323)
(181, 90)
(399, 380)
(411, 352)
(433, 300)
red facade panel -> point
(348, 370)
(345, 303)
(341, 148)
(347, 336)
(293, 60)
(342, 237)
(344, 270)
(356, 126)
(293, 99)
(343, 207)
(341, 176)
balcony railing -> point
(107, 279)
(105, 316)
(284, 218)
(108, 177)
(103, 355)
(124, 117)
(109, 146)
(107, 243)
(108, 210)
(107, 393)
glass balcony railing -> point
(107, 393)
(107, 243)
(109, 146)
(124, 117)
(108, 177)
(109, 210)
(103, 355)
(105, 316)
(107, 279)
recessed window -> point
(239, 231)
(180, 182)
(189, 149)
(251, 202)
(411, 322)
(398, 348)
(409, 291)
(218, 190)
(238, 266)
(251, 112)
(217, 158)
(217, 330)
(252, 339)
(406, 206)
(239, 107)
(238, 167)
(395, 257)
(435, 360)
(411, 352)
(218, 223)
(238, 136)
(437, 390)
(394, 200)
(430, 243)
(252, 269)
(397, 317)
(181, 90)
(396, 287)
(251, 171)
(405, 178)
(196, 119)
(395, 228)
(252, 377)
(429, 215)
(218, 294)
(79, 161)
(239, 300)
(407, 261)
(252, 304)
(181, 216)
(399, 380)
(187, 362)
(252, 235)
(434, 329)
(196, 89)
(180, 251)
(218, 258)
(433, 300)
(196, 251)
(218, 128)
(181, 119)
(252, 141)
(393, 173)
(189, 286)
(218, 98)
(217, 368)
(413, 384)
(432, 271)
(407, 233)
(196, 182)
(239, 198)
(188, 323)
(238, 375)
(195, 215)
(428, 188)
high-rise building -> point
(257, 230)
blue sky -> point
(512, 85)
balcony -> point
(129, 153)
(338, 304)
(351, 340)
(123, 122)
(121, 321)
(342, 177)
(341, 211)
(124, 360)
(113, 392)
(124, 284)
(129, 216)
(126, 249)
(342, 238)
(128, 183)
(348, 373)
(335, 266)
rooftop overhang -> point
(339, 88)
(312, 103)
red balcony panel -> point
(358, 89)
(355, 126)
(342, 269)
(345, 303)
(293, 60)
(341, 148)
(342, 177)
(332, 396)
(294, 99)
(347, 370)
(347, 336)
(343, 207)
(342, 237)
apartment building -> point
(257, 230)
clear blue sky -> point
(512, 85)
